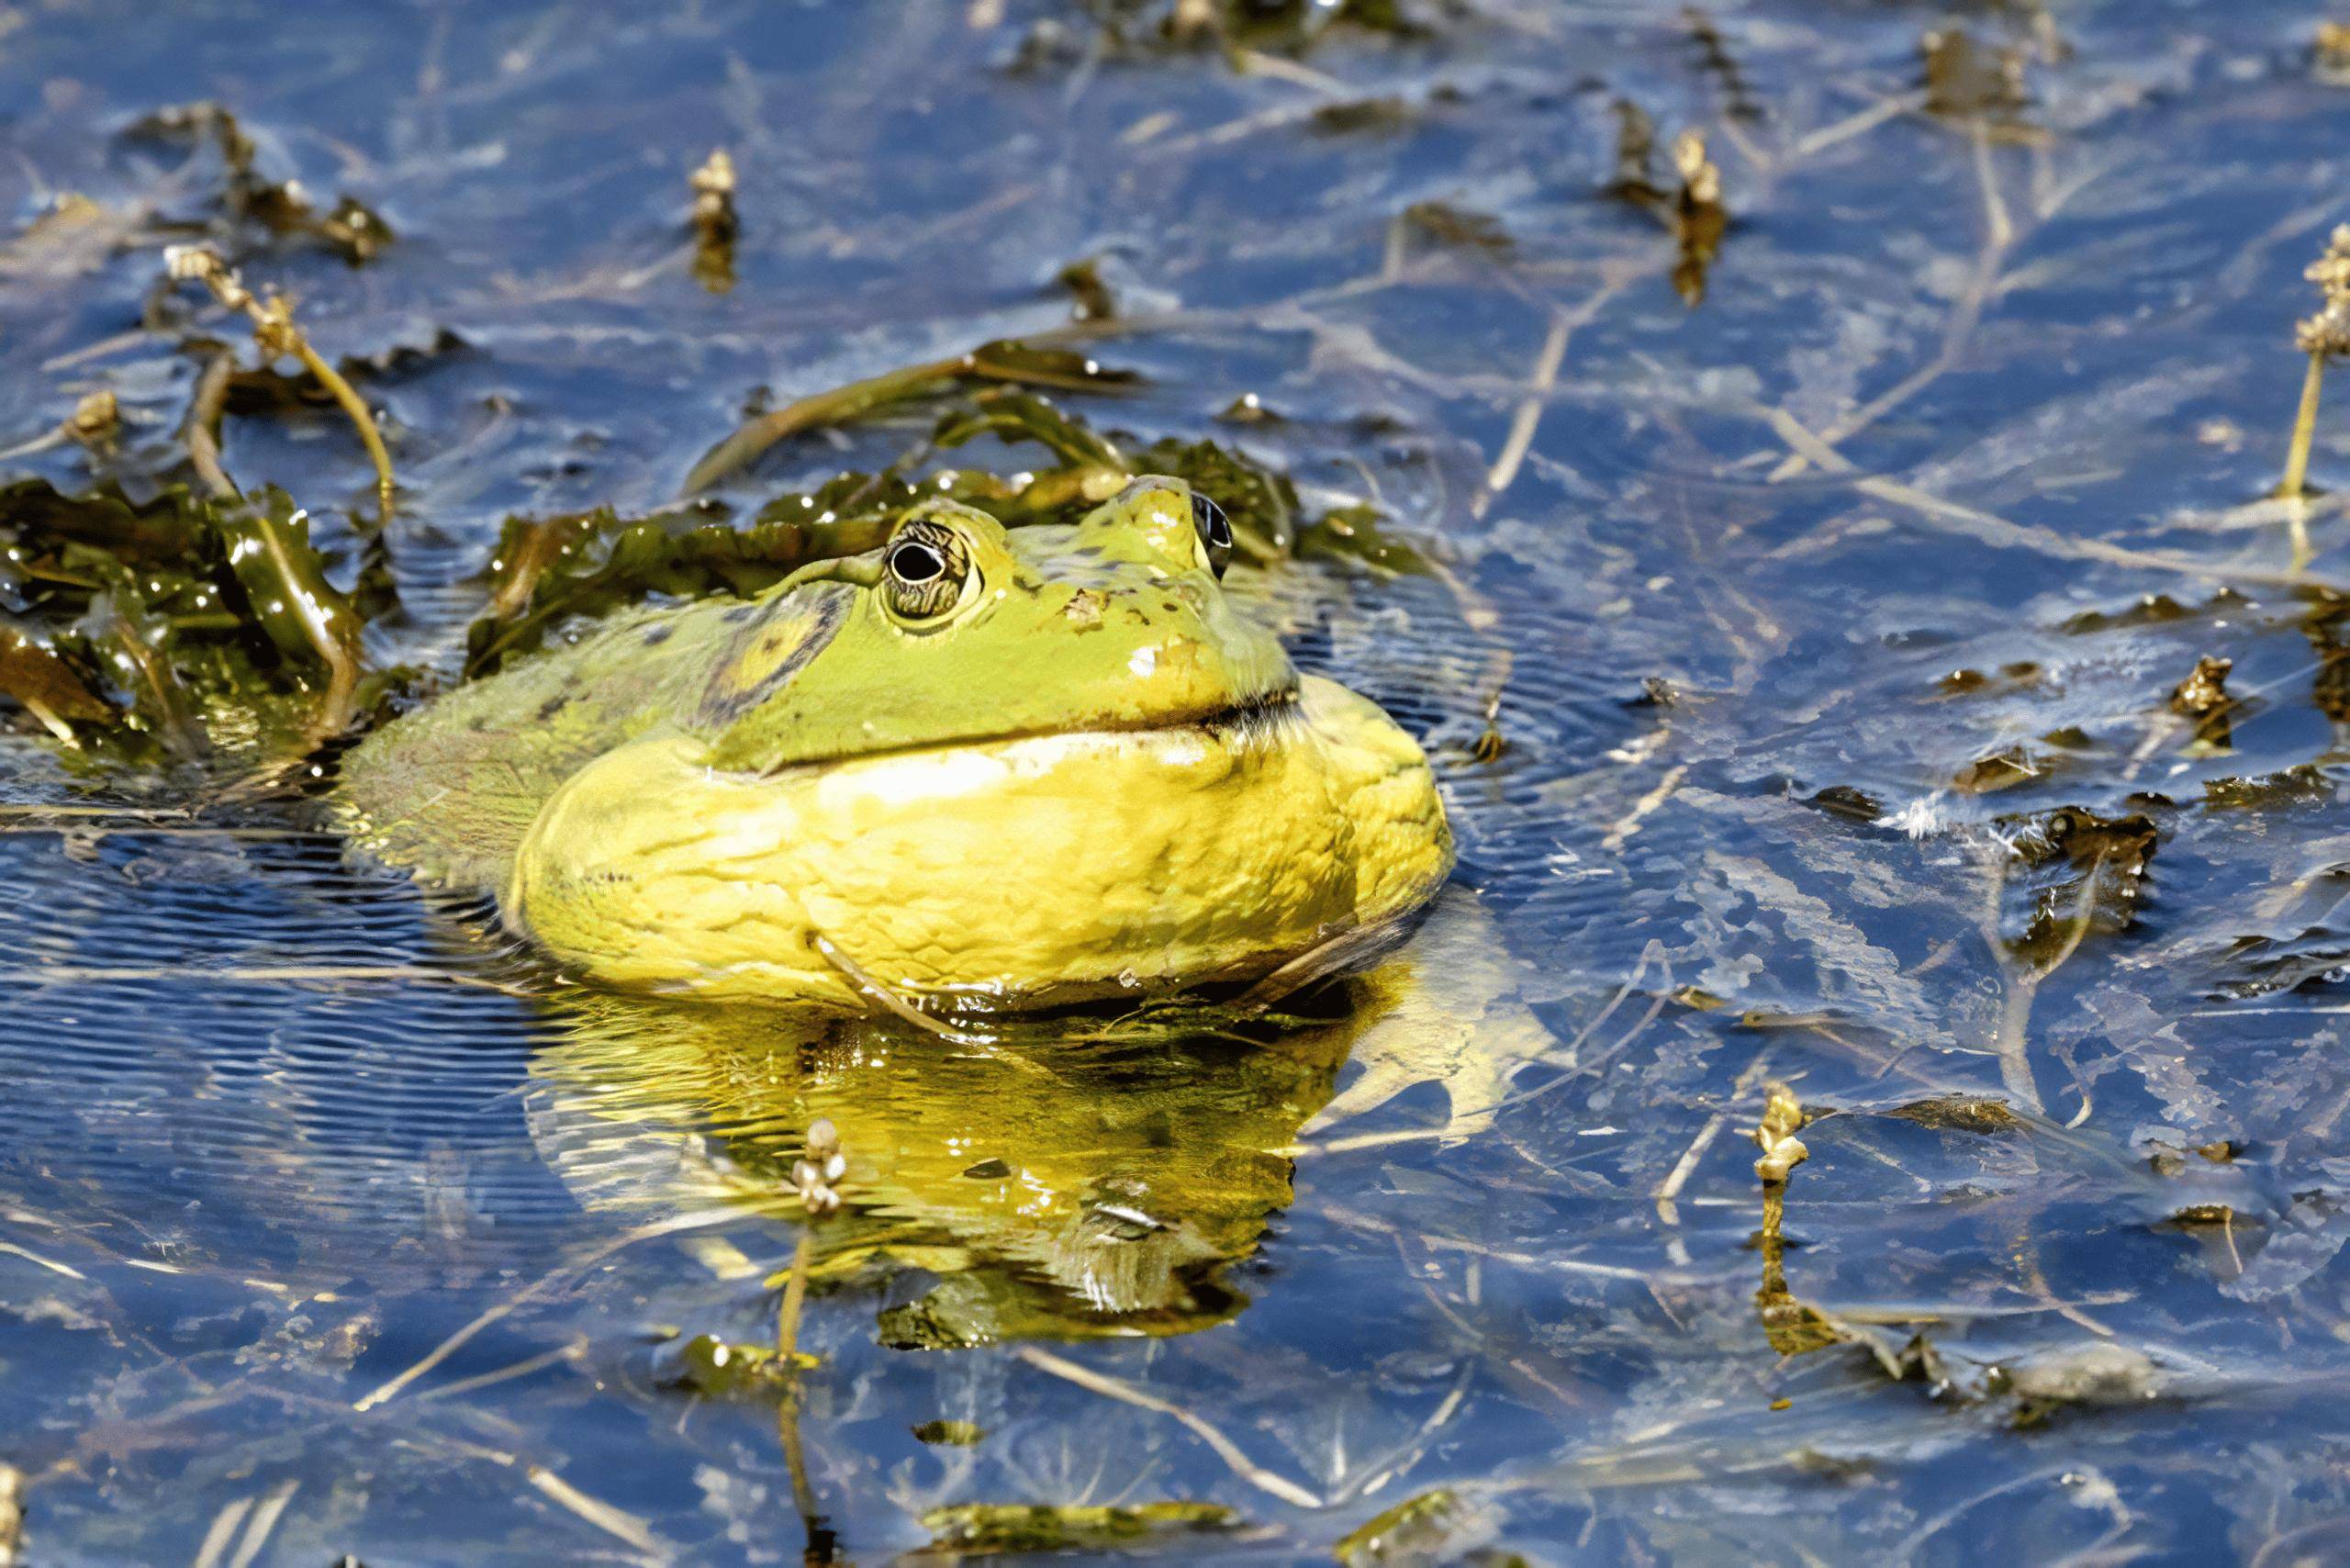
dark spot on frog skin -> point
(989, 1171)
(740, 613)
(654, 635)
(551, 707)
(812, 621)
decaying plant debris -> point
(136, 621)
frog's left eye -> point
(1215, 531)
(926, 569)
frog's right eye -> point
(926, 571)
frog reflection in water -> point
(1070, 1179)
(977, 769)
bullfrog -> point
(976, 768)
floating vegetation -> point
(95, 424)
(1691, 207)
(1441, 225)
(1242, 28)
(715, 1367)
(94, 420)
(950, 1434)
(1036, 362)
(1783, 1117)
(276, 335)
(2203, 698)
(1979, 1117)
(2081, 871)
(1698, 218)
(1794, 1327)
(1093, 300)
(716, 224)
(2323, 337)
(2086, 1375)
(978, 1529)
(548, 571)
(1714, 56)
(143, 630)
(249, 199)
(1433, 1526)
(2332, 48)
(1966, 79)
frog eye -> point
(1215, 531)
(924, 572)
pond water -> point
(1795, 612)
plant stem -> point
(203, 430)
(356, 407)
(795, 1293)
(2296, 459)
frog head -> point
(958, 630)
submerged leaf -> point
(1433, 1526)
(48, 687)
(1953, 1113)
(133, 645)
(268, 545)
(199, 626)
(978, 1528)
(950, 1434)
(2080, 874)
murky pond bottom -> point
(1797, 548)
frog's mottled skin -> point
(1086, 773)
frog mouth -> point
(1254, 716)
(1251, 719)
(1254, 721)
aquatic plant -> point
(2324, 336)
(1793, 1326)
(715, 221)
(1690, 207)
(2332, 48)
(816, 1178)
(276, 335)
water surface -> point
(1832, 621)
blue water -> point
(281, 1126)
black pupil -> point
(916, 563)
(1209, 518)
